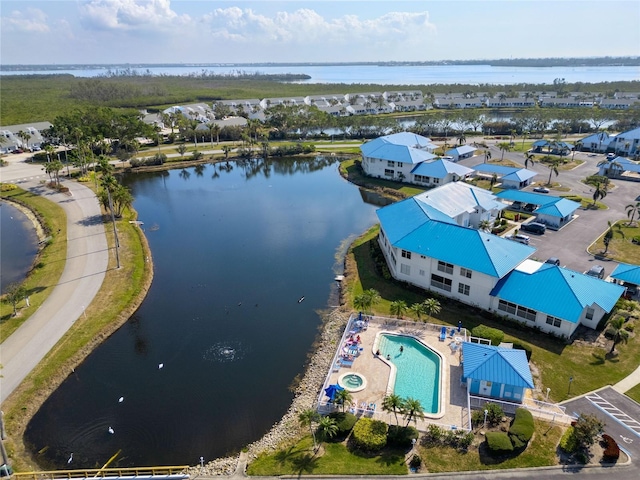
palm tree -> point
(613, 168)
(361, 302)
(493, 181)
(484, 225)
(182, 149)
(226, 149)
(343, 397)
(487, 156)
(632, 211)
(398, 308)
(327, 427)
(367, 299)
(307, 418)
(418, 309)
(611, 232)
(619, 334)
(553, 168)
(577, 146)
(504, 147)
(393, 403)
(49, 150)
(431, 306)
(529, 158)
(462, 138)
(599, 192)
(413, 410)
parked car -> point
(530, 207)
(541, 190)
(516, 205)
(611, 156)
(630, 291)
(596, 271)
(518, 238)
(553, 261)
(534, 227)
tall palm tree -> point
(418, 309)
(393, 403)
(599, 192)
(632, 211)
(611, 232)
(487, 156)
(553, 168)
(529, 158)
(398, 308)
(432, 306)
(619, 334)
(493, 181)
(307, 418)
(504, 147)
(343, 397)
(462, 138)
(413, 410)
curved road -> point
(87, 261)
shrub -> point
(522, 428)
(401, 436)
(498, 443)
(494, 415)
(7, 187)
(369, 434)
(345, 422)
(612, 450)
(434, 435)
(568, 442)
(496, 336)
(477, 418)
(586, 429)
(415, 462)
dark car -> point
(529, 207)
(534, 227)
(630, 291)
(596, 271)
(553, 261)
(541, 190)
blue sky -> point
(205, 31)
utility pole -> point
(115, 232)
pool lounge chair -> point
(443, 334)
(452, 333)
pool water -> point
(418, 370)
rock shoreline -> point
(288, 429)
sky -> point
(244, 31)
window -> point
(406, 254)
(556, 322)
(406, 269)
(440, 282)
(421, 273)
(465, 272)
(388, 173)
(445, 267)
(391, 163)
(463, 289)
(518, 310)
(590, 313)
(421, 178)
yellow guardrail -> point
(104, 472)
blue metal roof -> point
(461, 150)
(557, 291)
(457, 197)
(492, 168)
(520, 175)
(560, 208)
(440, 169)
(416, 228)
(380, 148)
(508, 366)
(527, 197)
(408, 139)
(627, 273)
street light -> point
(548, 390)
(486, 412)
(570, 380)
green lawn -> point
(590, 366)
(541, 452)
(621, 249)
(585, 202)
(300, 459)
(354, 174)
(634, 393)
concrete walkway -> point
(87, 260)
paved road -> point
(87, 260)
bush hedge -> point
(345, 422)
(496, 336)
(401, 437)
(522, 428)
(612, 450)
(370, 435)
(569, 442)
(526, 348)
(498, 443)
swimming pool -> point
(418, 369)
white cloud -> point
(130, 15)
(305, 27)
(32, 20)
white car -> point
(524, 239)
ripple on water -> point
(225, 352)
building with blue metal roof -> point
(555, 212)
(554, 299)
(408, 157)
(496, 372)
(461, 152)
(432, 241)
(627, 273)
(510, 177)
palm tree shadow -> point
(306, 463)
(289, 454)
(598, 358)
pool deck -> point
(453, 399)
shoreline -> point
(31, 215)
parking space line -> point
(614, 412)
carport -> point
(627, 274)
(555, 212)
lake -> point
(380, 75)
(19, 244)
(235, 249)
